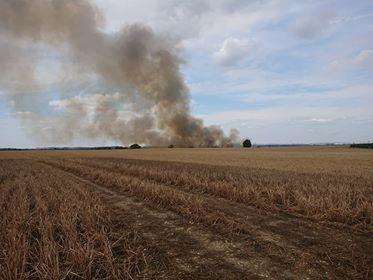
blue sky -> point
(278, 71)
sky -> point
(279, 71)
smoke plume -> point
(124, 87)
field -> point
(265, 213)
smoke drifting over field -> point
(140, 94)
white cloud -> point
(289, 113)
(233, 51)
(319, 120)
(347, 19)
(198, 23)
(362, 61)
(351, 103)
(298, 124)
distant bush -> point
(246, 143)
(108, 148)
(171, 146)
(363, 146)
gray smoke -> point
(138, 93)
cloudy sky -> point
(280, 71)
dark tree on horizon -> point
(246, 143)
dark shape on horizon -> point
(246, 143)
(171, 146)
(362, 145)
(135, 146)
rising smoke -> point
(145, 98)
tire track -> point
(236, 197)
(314, 259)
(229, 253)
(300, 230)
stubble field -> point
(266, 213)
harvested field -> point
(268, 213)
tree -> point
(246, 143)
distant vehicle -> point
(135, 146)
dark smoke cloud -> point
(145, 100)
